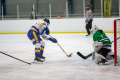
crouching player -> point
(102, 46)
(37, 30)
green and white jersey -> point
(101, 37)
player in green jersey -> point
(102, 46)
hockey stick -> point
(89, 55)
(84, 57)
(116, 39)
(62, 49)
(15, 58)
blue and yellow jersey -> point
(41, 29)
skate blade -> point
(37, 62)
(43, 59)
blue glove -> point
(53, 40)
(47, 31)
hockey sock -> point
(37, 52)
(42, 49)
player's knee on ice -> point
(98, 58)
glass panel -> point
(0, 12)
(25, 10)
(58, 8)
(11, 11)
(97, 8)
(115, 8)
(42, 10)
(41, 7)
(77, 10)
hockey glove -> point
(47, 31)
(53, 40)
(97, 46)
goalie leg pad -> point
(104, 52)
(110, 55)
(99, 58)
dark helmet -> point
(47, 20)
(87, 5)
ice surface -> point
(57, 65)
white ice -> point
(57, 65)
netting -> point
(117, 41)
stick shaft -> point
(62, 49)
(117, 39)
(14, 57)
(59, 46)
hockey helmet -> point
(94, 29)
(47, 20)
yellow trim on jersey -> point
(37, 50)
(33, 29)
(35, 37)
(44, 37)
(42, 48)
(41, 24)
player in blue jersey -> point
(40, 29)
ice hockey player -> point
(102, 46)
(40, 29)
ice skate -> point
(37, 60)
(87, 35)
(42, 57)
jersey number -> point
(101, 36)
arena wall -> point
(56, 25)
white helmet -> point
(94, 29)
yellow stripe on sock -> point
(37, 50)
(42, 48)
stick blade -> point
(82, 56)
(69, 55)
